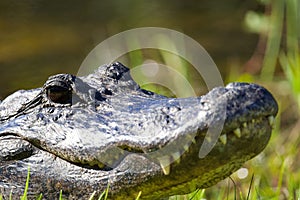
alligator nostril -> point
(58, 94)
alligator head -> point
(81, 134)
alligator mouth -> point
(187, 148)
(178, 151)
(226, 139)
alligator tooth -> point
(191, 138)
(245, 124)
(237, 132)
(166, 169)
(194, 140)
(208, 138)
(165, 165)
(178, 160)
(176, 157)
(223, 139)
(271, 121)
(186, 147)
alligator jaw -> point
(247, 132)
(207, 171)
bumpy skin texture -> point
(81, 134)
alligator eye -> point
(58, 94)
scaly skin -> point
(80, 135)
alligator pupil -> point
(59, 94)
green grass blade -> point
(194, 194)
(198, 194)
(290, 60)
(24, 197)
(60, 195)
(274, 40)
(104, 194)
(138, 196)
(251, 183)
(292, 28)
(280, 180)
(257, 193)
(40, 197)
(234, 185)
(92, 196)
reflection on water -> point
(40, 38)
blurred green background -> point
(41, 38)
(249, 40)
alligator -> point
(82, 135)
